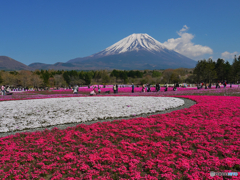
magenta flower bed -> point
(24, 96)
(139, 89)
(185, 144)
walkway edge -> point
(187, 103)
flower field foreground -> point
(29, 114)
(184, 144)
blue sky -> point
(50, 31)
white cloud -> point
(185, 28)
(184, 46)
(228, 55)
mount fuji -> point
(137, 51)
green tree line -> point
(208, 71)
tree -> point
(191, 79)
(235, 69)
(36, 81)
(205, 71)
(180, 71)
(115, 73)
(123, 75)
(37, 72)
(73, 73)
(167, 75)
(209, 72)
(45, 76)
(25, 78)
(81, 75)
(198, 70)
(10, 79)
(97, 75)
(66, 77)
(220, 68)
(138, 74)
(228, 71)
(143, 81)
(88, 79)
(105, 77)
(156, 74)
(51, 81)
(174, 78)
(59, 80)
(1, 80)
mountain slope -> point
(142, 60)
(134, 42)
(137, 51)
(7, 63)
(56, 66)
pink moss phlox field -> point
(183, 144)
(153, 89)
(84, 91)
(25, 96)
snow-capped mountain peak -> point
(137, 51)
(134, 42)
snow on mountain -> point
(134, 42)
(137, 51)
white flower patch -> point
(28, 114)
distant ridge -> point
(7, 63)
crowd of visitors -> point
(209, 85)
(7, 90)
(145, 88)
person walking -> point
(132, 88)
(149, 88)
(225, 84)
(166, 87)
(75, 89)
(143, 88)
(210, 85)
(175, 87)
(157, 87)
(3, 90)
(116, 88)
(8, 90)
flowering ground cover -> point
(235, 90)
(29, 114)
(184, 144)
(37, 95)
(84, 91)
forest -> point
(208, 71)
